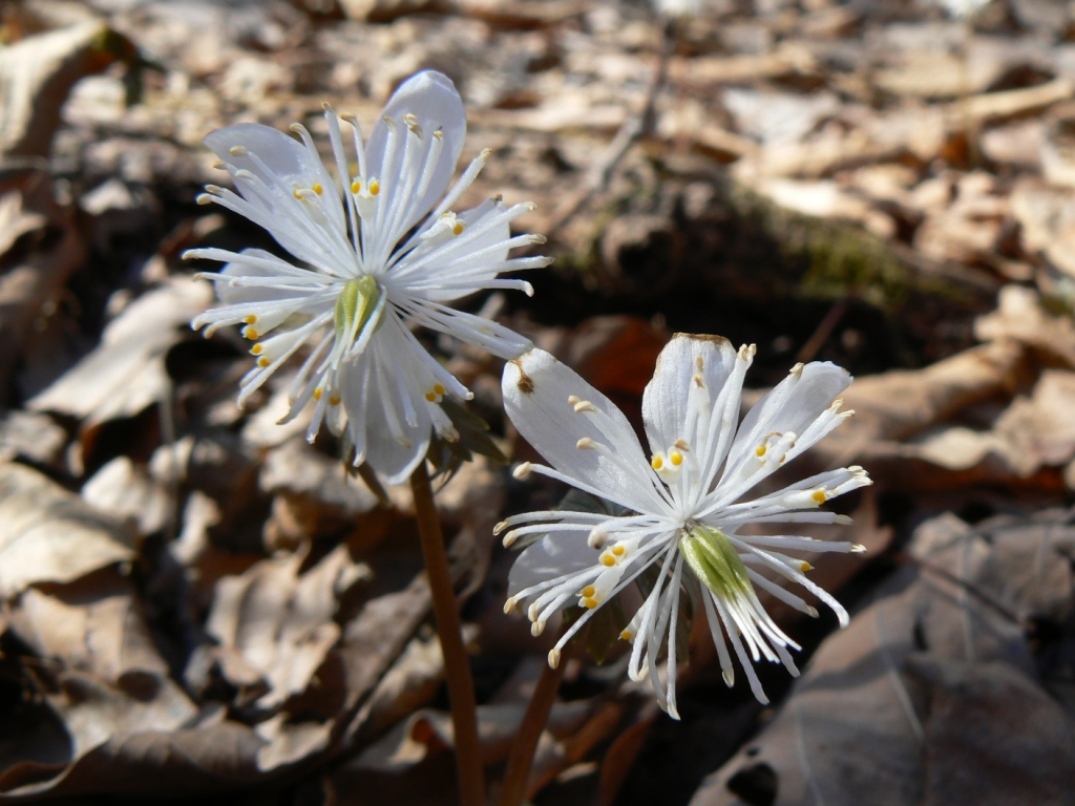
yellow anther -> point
(588, 592)
(256, 349)
(431, 397)
(250, 333)
(619, 549)
(356, 187)
(589, 603)
(820, 496)
(375, 187)
(608, 560)
(318, 189)
(458, 228)
(237, 151)
(676, 458)
(573, 399)
(250, 319)
(297, 194)
(760, 450)
(334, 400)
(438, 389)
(318, 392)
(657, 462)
(263, 362)
(627, 635)
(804, 566)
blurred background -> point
(197, 604)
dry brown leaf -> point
(1021, 317)
(36, 75)
(881, 714)
(16, 221)
(785, 61)
(127, 491)
(92, 625)
(313, 495)
(34, 437)
(410, 684)
(921, 429)
(32, 282)
(125, 373)
(1047, 219)
(824, 156)
(50, 535)
(995, 107)
(406, 758)
(280, 620)
(901, 403)
(147, 751)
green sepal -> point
(447, 456)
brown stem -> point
(450, 632)
(521, 759)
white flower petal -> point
(578, 430)
(287, 157)
(691, 370)
(556, 555)
(433, 99)
(791, 406)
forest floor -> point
(197, 604)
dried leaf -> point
(50, 535)
(880, 714)
(32, 279)
(126, 491)
(125, 373)
(36, 75)
(280, 620)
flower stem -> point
(449, 630)
(521, 758)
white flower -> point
(377, 250)
(686, 501)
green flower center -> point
(714, 560)
(355, 307)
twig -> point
(823, 331)
(449, 630)
(633, 129)
(521, 758)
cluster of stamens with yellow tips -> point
(302, 194)
(436, 394)
(612, 556)
(668, 464)
(588, 597)
(371, 188)
(249, 331)
(263, 360)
